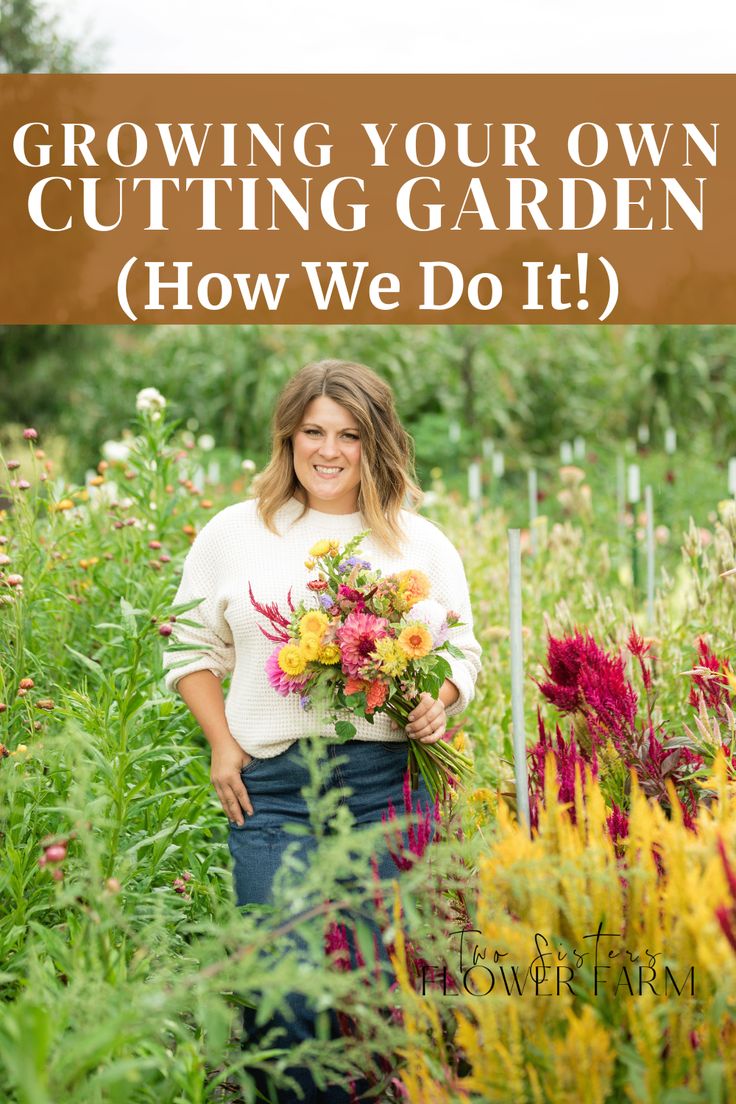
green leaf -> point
(345, 730)
(128, 614)
(90, 664)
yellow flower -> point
(321, 548)
(314, 623)
(393, 659)
(291, 660)
(415, 640)
(460, 741)
(310, 646)
(309, 564)
(414, 586)
(334, 546)
(64, 504)
(329, 654)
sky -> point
(471, 36)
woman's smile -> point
(327, 456)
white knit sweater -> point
(235, 549)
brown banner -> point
(367, 199)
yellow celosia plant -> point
(590, 977)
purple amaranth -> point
(421, 827)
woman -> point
(341, 463)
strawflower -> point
(291, 660)
(281, 682)
(314, 623)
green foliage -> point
(524, 388)
(32, 42)
(123, 980)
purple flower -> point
(421, 827)
(305, 701)
(351, 562)
(325, 601)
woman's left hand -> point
(427, 721)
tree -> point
(32, 42)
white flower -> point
(206, 442)
(150, 401)
(248, 465)
(433, 615)
(115, 452)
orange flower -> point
(355, 685)
(375, 695)
(414, 586)
(415, 640)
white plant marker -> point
(621, 499)
(634, 484)
(474, 487)
(732, 475)
(670, 441)
(532, 484)
(566, 453)
(517, 679)
(578, 447)
(649, 506)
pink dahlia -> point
(357, 638)
(283, 683)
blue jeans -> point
(374, 772)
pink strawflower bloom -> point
(357, 638)
(281, 682)
(30, 434)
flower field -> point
(594, 961)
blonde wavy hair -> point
(387, 476)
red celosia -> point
(726, 914)
(617, 824)
(421, 829)
(711, 689)
(279, 623)
(638, 648)
(582, 678)
(567, 757)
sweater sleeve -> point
(450, 589)
(208, 645)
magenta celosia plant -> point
(590, 685)
(422, 827)
(726, 914)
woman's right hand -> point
(227, 762)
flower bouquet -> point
(368, 644)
